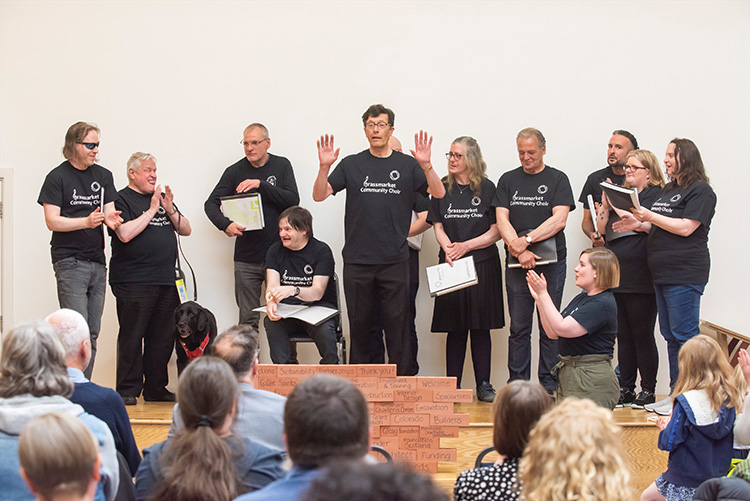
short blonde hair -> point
(58, 455)
(606, 265)
(574, 452)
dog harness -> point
(193, 354)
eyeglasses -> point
(379, 125)
(252, 143)
(634, 167)
(450, 155)
(90, 146)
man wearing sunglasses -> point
(78, 196)
(271, 176)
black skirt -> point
(477, 307)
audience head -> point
(298, 218)
(238, 346)
(395, 144)
(466, 155)
(684, 163)
(575, 452)
(359, 481)
(74, 139)
(518, 406)
(199, 463)
(651, 163)
(326, 418)
(33, 361)
(620, 144)
(73, 331)
(703, 365)
(605, 265)
(59, 457)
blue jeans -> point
(248, 281)
(679, 318)
(521, 308)
(324, 336)
(81, 286)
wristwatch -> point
(296, 291)
(528, 239)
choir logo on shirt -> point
(451, 213)
(95, 187)
(384, 188)
(308, 269)
(542, 189)
(90, 200)
(476, 201)
(395, 175)
(271, 180)
(535, 201)
(287, 279)
(160, 218)
(675, 198)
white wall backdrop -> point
(181, 79)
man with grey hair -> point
(272, 177)
(533, 202)
(260, 413)
(99, 401)
(142, 276)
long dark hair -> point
(198, 464)
(689, 164)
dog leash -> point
(180, 275)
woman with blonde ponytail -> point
(205, 461)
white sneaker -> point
(667, 403)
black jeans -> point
(636, 346)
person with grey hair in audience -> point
(260, 413)
(142, 276)
(325, 420)
(59, 459)
(33, 382)
(102, 402)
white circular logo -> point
(675, 198)
(308, 269)
(476, 201)
(161, 210)
(271, 180)
(395, 175)
(95, 186)
(542, 189)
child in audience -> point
(205, 460)
(575, 452)
(518, 407)
(698, 434)
(59, 458)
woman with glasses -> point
(636, 303)
(464, 224)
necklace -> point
(462, 189)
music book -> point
(314, 315)
(245, 209)
(545, 249)
(621, 198)
(442, 278)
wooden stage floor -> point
(151, 421)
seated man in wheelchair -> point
(299, 270)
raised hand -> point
(422, 151)
(326, 154)
(537, 284)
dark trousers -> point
(365, 285)
(146, 337)
(481, 352)
(636, 346)
(324, 336)
(377, 348)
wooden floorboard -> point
(150, 422)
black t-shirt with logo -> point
(278, 192)
(150, 257)
(380, 196)
(530, 199)
(78, 194)
(592, 187)
(677, 260)
(465, 215)
(297, 268)
(598, 315)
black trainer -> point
(626, 397)
(485, 392)
(643, 398)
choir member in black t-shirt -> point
(636, 303)
(142, 276)
(464, 223)
(678, 254)
(586, 329)
(381, 190)
(74, 211)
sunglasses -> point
(90, 146)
